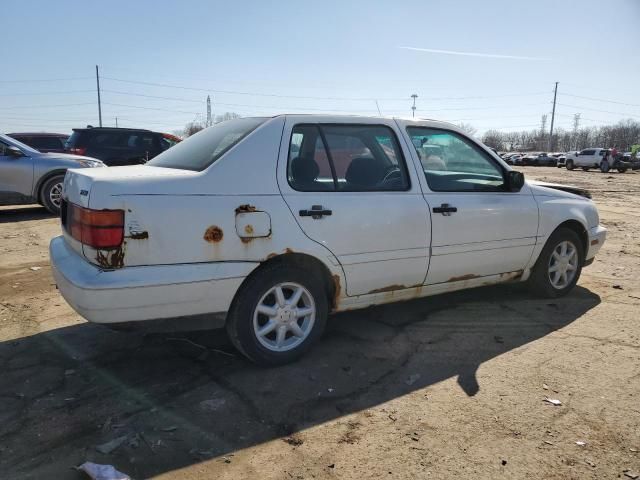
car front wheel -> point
(559, 265)
(51, 194)
(569, 165)
(278, 314)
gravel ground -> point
(442, 387)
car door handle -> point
(445, 209)
(316, 212)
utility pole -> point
(413, 108)
(99, 104)
(553, 117)
(209, 122)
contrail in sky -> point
(471, 54)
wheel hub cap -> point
(563, 265)
(284, 317)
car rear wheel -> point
(570, 165)
(278, 314)
(559, 265)
(604, 166)
(586, 169)
(622, 169)
(51, 194)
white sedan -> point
(266, 225)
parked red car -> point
(43, 142)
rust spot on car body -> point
(288, 250)
(469, 276)
(390, 288)
(111, 259)
(248, 229)
(139, 235)
(245, 208)
(271, 255)
(213, 234)
(336, 290)
(246, 240)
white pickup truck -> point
(594, 158)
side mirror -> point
(514, 181)
(12, 151)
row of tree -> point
(622, 135)
(195, 126)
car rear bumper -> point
(134, 294)
(597, 236)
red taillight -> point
(78, 151)
(101, 229)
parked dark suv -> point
(119, 146)
(43, 142)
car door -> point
(350, 188)
(478, 228)
(16, 175)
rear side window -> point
(205, 147)
(587, 152)
(47, 143)
(346, 158)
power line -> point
(602, 100)
(597, 110)
(235, 92)
(44, 93)
(18, 107)
(38, 80)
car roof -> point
(38, 134)
(111, 129)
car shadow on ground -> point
(24, 214)
(167, 401)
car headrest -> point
(365, 172)
(304, 169)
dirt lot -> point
(443, 387)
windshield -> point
(205, 147)
(20, 145)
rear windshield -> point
(202, 149)
(72, 140)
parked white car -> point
(266, 225)
(595, 158)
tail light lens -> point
(100, 229)
(78, 151)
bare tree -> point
(192, 128)
(468, 128)
(226, 116)
(493, 139)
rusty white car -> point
(266, 225)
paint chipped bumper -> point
(597, 236)
(146, 292)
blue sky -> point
(491, 64)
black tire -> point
(47, 193)
(539, 281)
(622, 169)
(570, 165)
(604, 166)
(240, 320)
(586, 169)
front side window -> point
(452, 163)
(205, 147)
(346, 158)
(587, 152)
